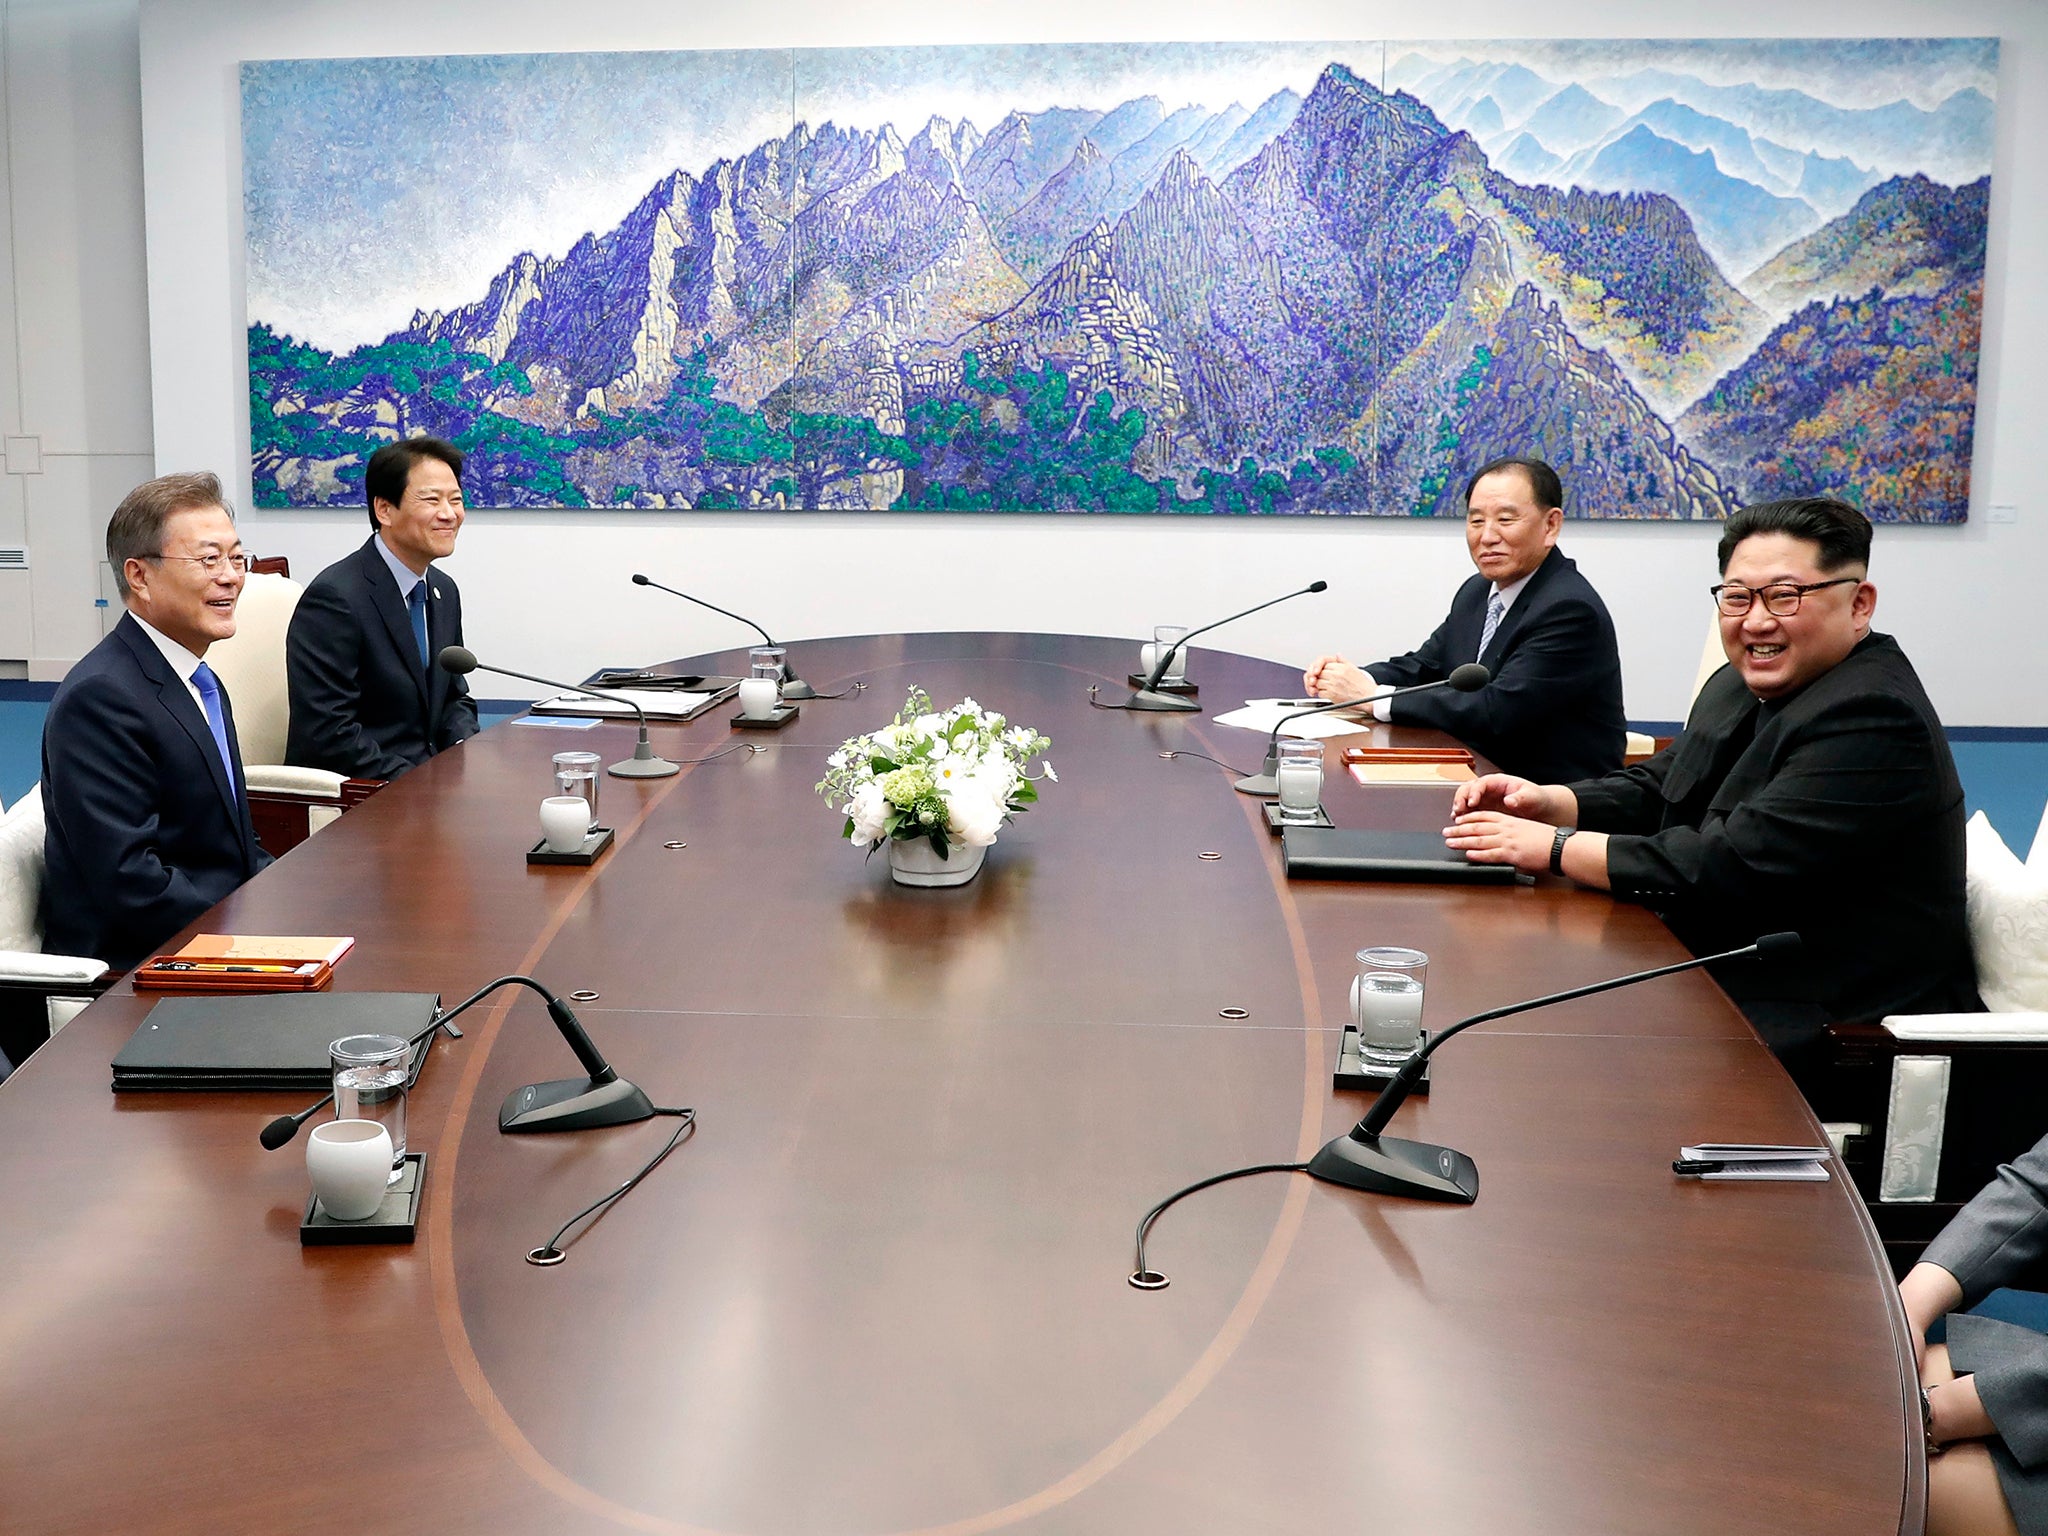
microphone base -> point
(1387, 1165)
(1264, 785)
(648, 767)
(1162, 703)
(797, 688)
(573, 1104)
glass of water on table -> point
(1386, 1003)
(576, 774)
(370, 1073)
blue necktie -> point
(1495, 609)
(216, 720)
(416, 604)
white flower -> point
(869, 811)
(1048, 771)
(837, 759)
(973, 815)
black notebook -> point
(263, 1041)
(1350, 853)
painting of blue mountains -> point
(1162, 278)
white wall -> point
(549, 593)
(74, 330)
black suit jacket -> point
(361, 702)
(1552, 711)
(1841, 820)
(143, 830)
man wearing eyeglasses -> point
(146, 815)
(1811, 791)
(367, 699)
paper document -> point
(1730, 1160)
(1262, 715)
(660, 703)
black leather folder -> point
(268, 1040)
(1352, 853)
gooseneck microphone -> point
(793, 687)
(1364, 1159)
(1469, 678)
(570, 1104)
(1150, 698)
(643, 764)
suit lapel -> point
(1524, 605)
(178, 703)
(384, 598)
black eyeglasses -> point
(1781, 598)
(210, 562)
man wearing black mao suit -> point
(1811, 791)
(1552, 709)
(147, 817)
(366, 699)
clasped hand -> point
(1500, 819)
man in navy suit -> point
(148, 817)
(367, 699)
(1552, 708)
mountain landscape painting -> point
(1323, 279)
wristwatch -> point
(1557, 849)
(1927, 1423)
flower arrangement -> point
(949, 777)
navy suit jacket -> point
(1552, 711)
(143, 829)
(362, 704)
(1840, 819)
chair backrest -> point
(1712, 659)
(21, 874)
(250, 665)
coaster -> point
(395, 1221)
(1166, 685)
(1353, 1071)
(598, 839)
(1276, 826)
(784, 713)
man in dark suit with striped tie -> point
(367, 700)
(1552, 708)
(147, 817)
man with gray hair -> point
(148, 816)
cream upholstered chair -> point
(39, 993)
(1712, 659)
(1943, 1099)
(286, 804)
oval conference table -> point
(882, 1289)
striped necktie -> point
(216, 719)
(1495, 610)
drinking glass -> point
(1386, 1003)
(1300, 778)
(576, 774)
(1165, 636)
(369, 1084)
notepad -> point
(277, 1040)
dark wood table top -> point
(882, 1289)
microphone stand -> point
(1364, 1159)
(1469, 678)
(793, 687)
(643, 764)
(569, 1104)
(1149, 698)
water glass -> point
(1386, 1004)
(767, 661)
(576, 774)
(370, 1073)
(1165, 637)
(1300, 778)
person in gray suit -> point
(1985, 1393)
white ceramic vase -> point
(914, 863)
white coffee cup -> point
(759, 696)
(564, 822)
(350, 1164)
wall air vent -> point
(13, 557)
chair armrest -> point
(29, 970)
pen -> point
(197, 965)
